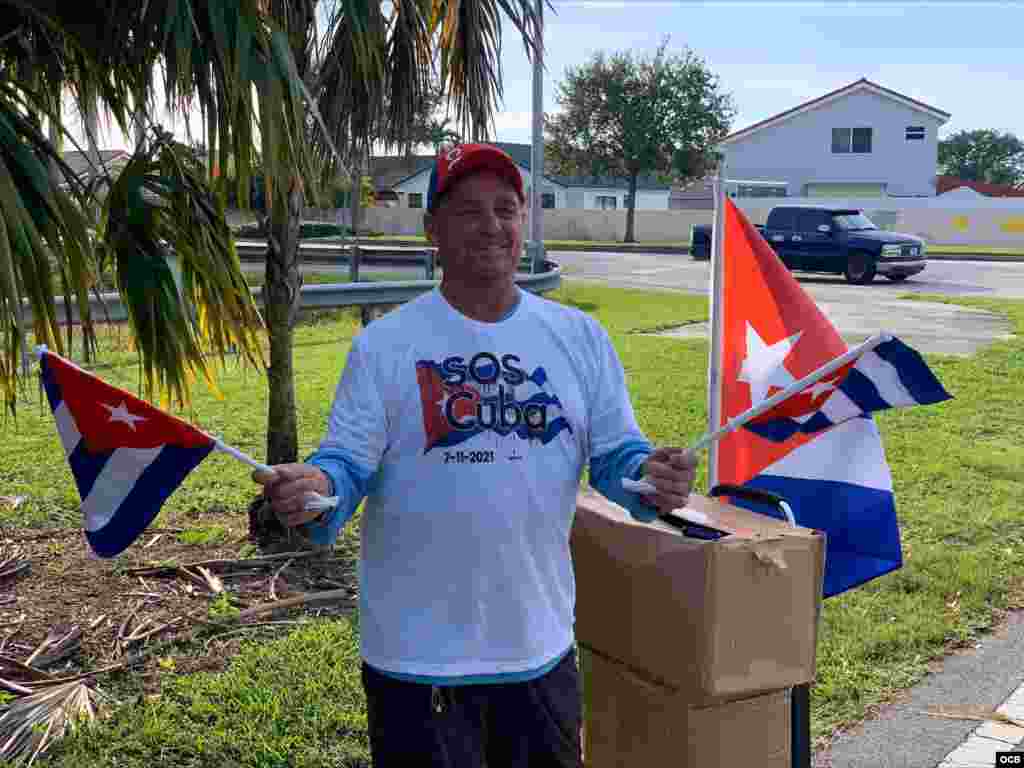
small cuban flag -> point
(889, 374)
(127, 457)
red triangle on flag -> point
(772, 332)
(109, 418)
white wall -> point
(985, 222)
(799, 150)
(656, 200)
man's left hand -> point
(671, 471)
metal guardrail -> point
(330, 295)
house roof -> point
(79, 161)
(860, 85)
(388, 171)
(945, 183)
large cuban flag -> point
(820, 450)
(126, 456)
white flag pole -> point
(711, 438)
(314, 501)
(716, 319)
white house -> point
(862, 140)
(412, 190)
(600, 193)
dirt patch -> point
(121, 612)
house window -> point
(606, 202)
(846, 140)
(415, 200)
(915, 133)
(547, 199)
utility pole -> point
(535, 249)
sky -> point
(962, 56)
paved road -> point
(856, 311)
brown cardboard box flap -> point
(714, 620)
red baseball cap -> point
(453, 163)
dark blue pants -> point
(535, 723)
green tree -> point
(624, 116)
(983, 155)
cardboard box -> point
(632, 722)
(711, 620)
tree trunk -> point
(281, 295)
(631, 211)
(357, 196)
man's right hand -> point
(287, 487)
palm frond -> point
(31, 724)
(469, 43)
(159, 216)
(43, 230)
(211, 55)
(351, 84)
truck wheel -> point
(860, 268)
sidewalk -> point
(902, 734)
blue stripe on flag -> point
(86, 467)
(780, 430)
(50, 385)
(776, 430)
(862, 534)
(863, 392)
(816, 423)
(143, 502)
(913, 371)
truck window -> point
(853, 221)
(809, 221)
(781, 218)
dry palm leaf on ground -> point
(30, 724)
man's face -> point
(478, 229)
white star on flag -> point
(763, 367)
(122, 414)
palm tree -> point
(330, 78)
(56, 230)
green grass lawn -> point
(986, 250)
(958, 470)
(321, 278)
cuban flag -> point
(127, 457)
(820, 449)
(887, 375)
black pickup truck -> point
(836, 240)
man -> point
(466, 418)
